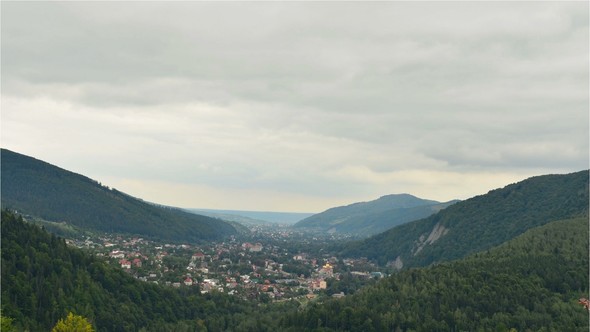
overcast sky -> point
(297, 106)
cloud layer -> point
(297, 106)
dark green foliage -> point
(531, 283)
(43, 280)
(34, 187)
(368, 218)
(481, 222)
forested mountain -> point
(531, 283)
(43, 279)
(369, 218)
(478, 223)
(37, 188)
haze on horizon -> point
(297, 106)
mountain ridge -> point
(478, 223)
(54, 194)
(372, 217)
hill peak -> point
(367, 218)
(481, 222)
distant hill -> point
(369, 218)
(37, 188)
(254, 217)
(531, 283)
(478, 223)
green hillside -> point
(43, 279)
(531, 283)
(373, 217)
(37, 188)
(478, 223)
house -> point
(327, 270)
(299, 257)
(117, 254)
(188, 281)
(256, 248)
(137, 262)
(125, 264)
(338, 295)
(318, 284)
(198, 256)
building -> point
(125, 264)
(198, 256)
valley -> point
(512, 258)
(294, 166)
(272, 263)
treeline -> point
(481, 222)
(43, 279)
(531, 283)
(37, 188)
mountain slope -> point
(530, 283)
(369, 218)
(479, 223)
(43, 279)
(37, 188)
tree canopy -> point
(73, 323)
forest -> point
(43, 279)
(481, 222)
(54, 194)
(530, 283)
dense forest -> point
(531, 283)
(479, 223)
(37, 188)
(43, 279)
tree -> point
(73, 323)
(6, 323)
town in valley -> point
(266, 265)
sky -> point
(297, 106)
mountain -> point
(369, 218)
(254, 217)
(37, 188)
(531, 283)
(478, 223)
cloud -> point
(330, 100)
